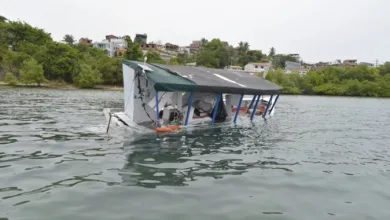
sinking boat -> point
(164, 98)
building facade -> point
(257, 67)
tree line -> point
(361, 80)
(29, 55)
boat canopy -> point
(172, 78)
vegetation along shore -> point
(29, 56)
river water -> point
(317, 158)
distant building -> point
(112, 46)
(301, 70)
(233, 68)
(103, 45)
(171, 47)
(120, 52)
(141, 38)
(85, 41)
(195, 46)
(257, 67)
(350, 62)
(109, 37)
(183, 50)
(366, 64)
(294, 67)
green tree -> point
(213, 54)
(22, 32)
(154, 57)
(11, 79)
(3, 19)
(87, 77)
(272, 52)
(133, 51)
(60, 61)
(32, 72)
(69, 39)
(12, 62)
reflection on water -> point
(318, 158)
(175, 159)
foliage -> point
(12, 62)
(154, 57)
(87, 77)
(134, 51)
(69, 39)
(11, 79)
(279, 60)
(213, 54)
(32, 72)
(342, 81)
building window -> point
(256, 66)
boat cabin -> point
(157, 96)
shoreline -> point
(120, 88)
(64, 87)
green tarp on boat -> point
(200, 79)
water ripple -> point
(54, 153)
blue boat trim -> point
(269, 103)
(255, 108)
(238, 108)
(216, 106)
(273, 106)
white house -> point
(111, 45)
(257, 67)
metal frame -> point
(277, 97)
(255, 108)
(253, 101)
(157, 111)
(238, 108)
(269, 103)
(189, 108)
(216, 106)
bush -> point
(87, 77)
(32, 72)
(11, 79)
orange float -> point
(168, 128)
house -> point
(184, 50)
(112, 45)
(257, 67)
(85, 41)
(103, 45)
(150, 46)
(109, 37)
(171, 47)
(350, 62)
(141, 38)
(195, 46)
(300, 70)
(233, 68)
(120, 52)
(366, 64)
(294, 67)
(291, 65)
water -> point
(317, 158)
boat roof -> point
(202, 79)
